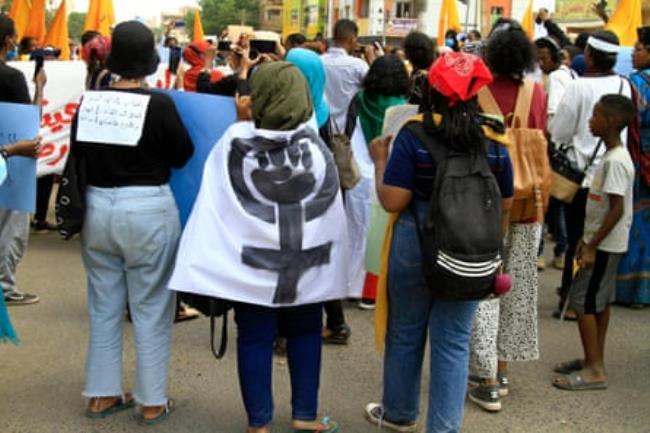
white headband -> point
(604, 46)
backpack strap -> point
(523, 104)
(351, 118)
(487, 102)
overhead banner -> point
(63, 92)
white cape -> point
(240, 244)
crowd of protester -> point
(490, 99)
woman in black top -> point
(131, 230)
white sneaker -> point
(375, 415)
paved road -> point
(41, 380)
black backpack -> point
(212, 308)
(461, 238)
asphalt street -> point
(41, 380)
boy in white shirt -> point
(607, 226)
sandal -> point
(168, 409)
(123, 402)
(569, 366)
(340, 335)
(327, 426)
(185, 314)
(576, 382)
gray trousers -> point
(14, 233)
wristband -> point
(4, 153)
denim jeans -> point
(257, 328)
(129, 243)
(413, 312)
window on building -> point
(363, 8)
(404, 9)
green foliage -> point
(76, 21)
(5, 5)
(216, 15)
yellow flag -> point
(57, 36)
(20, 10)
(449, 19)
(36, 26)
(626, 19)
(527, 21)
(100, 17)
(198, 27)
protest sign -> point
(112, 117)
(18, 122)
(206, 118)
(64, 89)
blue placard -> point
(206, 118)
(19, 122)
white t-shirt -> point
(614, 175)
(558, 81)
(570, 124)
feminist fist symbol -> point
(284, 177)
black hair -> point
(581, 40)
(502, 24)
(345, 29)
(552, 47)
(460, 125)
(602, 61)
(88, 36)
(24, 43)
(296, 39)
(453, 34)
(419, 50)
(476, 34)
(169, 39)
(618, 107)
(387, 76)
(7, 29)
(509, 53)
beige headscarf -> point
(280, 97)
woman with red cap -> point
(404, 186)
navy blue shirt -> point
(411, 166)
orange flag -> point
(100, 16)
(36, 26)
(527, 20)
(57, 36)
(198, 27)
(20, 10)
(625, 20)
(449, 19)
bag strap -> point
(351, 118)
(224, 332)
(487, 102)
(523, 104)
(645, 76)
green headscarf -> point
(280, 97)
(371, 111)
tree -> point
(5, 6)
(216, 15)
(76, 21)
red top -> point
(505, 92)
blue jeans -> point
(257, 329)
(129, 243)
(412, 313)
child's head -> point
(612, 113)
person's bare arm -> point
(392, 198)
(40, 80)
(586, 254)
(28, 148)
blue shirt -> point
(411, 166)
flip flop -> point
(576, 382)
(125, 402)
(569, 366)
(325, 422)
(169, 409)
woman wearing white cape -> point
(268, 232)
